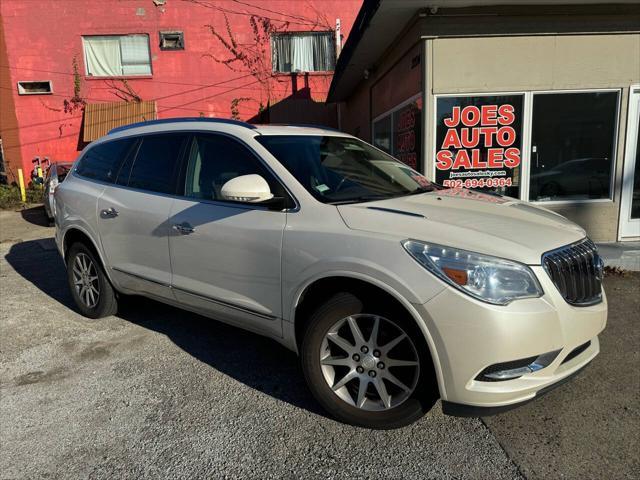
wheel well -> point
(321, 290)
(77, 236)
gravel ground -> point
(158, 392)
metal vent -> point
(576, 270)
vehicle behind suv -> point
(393, 291)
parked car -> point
(56, 173)
(393, 291)
(574, 179)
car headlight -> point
(490, 279)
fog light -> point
(500, 372)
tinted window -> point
(216, 159)
(102, 161)
(156, 165)
(572, 145)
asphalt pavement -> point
(157, 392)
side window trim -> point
(133, 152)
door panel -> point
(134, 239)
(229, 264)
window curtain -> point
(303, 52)
(102, 56)
(135, 55)
(324, 52)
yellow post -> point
(23, 192)
(39, 172)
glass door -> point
(630, 202)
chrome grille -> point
(576, 270)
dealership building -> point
(539, 100)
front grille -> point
(576, 270)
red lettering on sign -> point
(489, 114)
(494, 157)
(444, 160)
(476, 162)
(512, 157)
(469, 138)
(451, 139)
(506, 136)
(462, 160)
(470, 116)
(507, 115)
(454, 119)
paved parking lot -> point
(156, 392)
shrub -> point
(10, 196)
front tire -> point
(367, 365)
(91, 290)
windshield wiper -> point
(360, 199)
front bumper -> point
(469, 336)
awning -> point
(380, 22)
(99, 118)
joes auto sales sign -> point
(479, 141)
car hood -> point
(469, 220)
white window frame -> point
(393, 110)
(525, 154)
(626, 224)
(118, 35)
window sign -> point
(399, 133)
(407, 133)
(479, 142)
(572, 145)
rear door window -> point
(103, 161)
(157, 163)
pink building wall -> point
(43, 37)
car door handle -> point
(184, 228)
(109, 213)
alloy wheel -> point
(369, 362)
(85, 280)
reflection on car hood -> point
(484, 223)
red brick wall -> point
(42, 38)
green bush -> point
(10, 196)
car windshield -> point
(343, 169)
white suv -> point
(394, 291)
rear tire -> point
(374, 405)
(91, 290)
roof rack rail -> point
(181, 119)
(304, 125)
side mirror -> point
(247, 188)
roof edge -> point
(361, 24)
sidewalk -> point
(624, 255)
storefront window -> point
(382, 133)
(400, 133)
(407, 133)
(479, 142)
(572, 145)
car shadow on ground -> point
(35, 215)
(253, 360)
